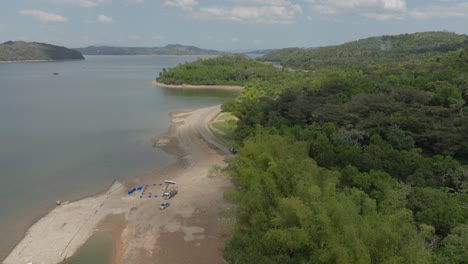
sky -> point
(223, 24)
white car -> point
(164, 205)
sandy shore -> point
(204, 87)
(191, 229)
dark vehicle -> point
(233, 151)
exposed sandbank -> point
(193, 217)
(201, 87)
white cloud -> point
(105, 19)
(43, 16)
(380, 9)
(133, 2)
(436, 11)
(266, 14)
(242, 11)
(157, 38)
(82, 3)
(264, 2)
(185, 5)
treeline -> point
(354, 166)
(350, 164)
(375, 50)
(222, 70)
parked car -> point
(164, 205)
(233, 151)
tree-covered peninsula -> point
(222, 70)
(351, 164)
(34, 51)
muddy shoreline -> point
(65, 229)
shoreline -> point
(198, 87)
(61, 232)
(29, 61)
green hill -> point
(24, 51)
(374, 50)
(173, 49)
(223, 70)
(360, 164)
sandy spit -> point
(60, 233)
(201, 87)
(150, 235)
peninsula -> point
(35, 51)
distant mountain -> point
(374, 50)
(266, 51)
(24, 51)
(173, 49)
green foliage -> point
(20, 51)
(360, 160)
(455, 246)
(292, 211)
(224, 128)
(396, 134)
(374, 50)
(406, 111)
(222, 70)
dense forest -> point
(222, 70)
(352, 164)
(374, 50)
(21, 51)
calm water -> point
(67, 136)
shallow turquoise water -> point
(67, 136)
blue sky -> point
(223, 24)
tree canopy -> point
(222, 70)
(374, 50)
(358, 164)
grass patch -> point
(215, 172)
(223, 128)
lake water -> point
(68, 136)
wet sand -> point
(191, 228)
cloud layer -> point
(43, 16)
(104, 19)
(380, 9)
(241, 11)
(82, 3)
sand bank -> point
(151, 235)
(60, 233)
(201, 87)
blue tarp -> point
(139, 188)
(131, 191)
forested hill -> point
(172, 49)
(24, 51)
(374, 50)
(345, 165)
(222, 70)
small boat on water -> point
(55, 73)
